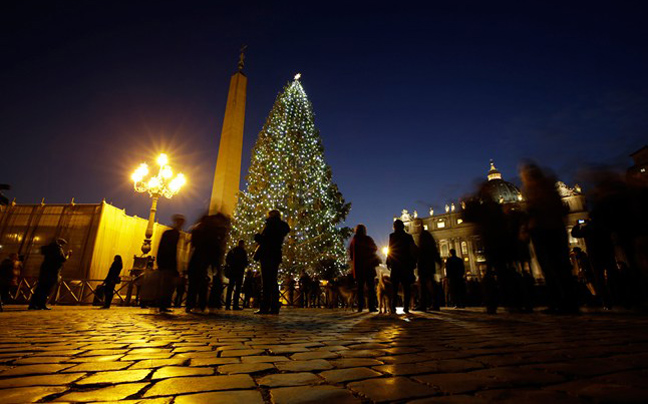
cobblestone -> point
(81, 354)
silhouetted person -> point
(547, 229)
(489, 291)
(402, 261)
(217, 235)
(248, 288)
(7, 277)
(198, 287)
(167, 260)
(585, 275)
(428, 257)
(237, 261)
(112, 279)
(269, 254)
(364, 261)
(315, 292)
(455, 272)
(180, 289)
(54, 259)
(598, 239)
(497, 226)
(304, 288)
(208, 238)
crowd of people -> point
(612, 271)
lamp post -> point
(162, 184)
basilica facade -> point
(451, 231)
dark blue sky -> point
(411, 99)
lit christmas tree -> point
(288, 173)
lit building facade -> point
(451, 232)
(95, 233)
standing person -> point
(428, 258)
(455, 272)
(198, 265)
(236, 261)
(167, 260)
(402, 261)
(364, 261)
(602, 260)
(269, 254)
(248, 288)
(112, 279)
(180, 289)
(217, 235)
(54, 259)
(547, 230)
(304, 288)
(7, 277)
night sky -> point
(411, 100)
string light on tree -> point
(288, 173)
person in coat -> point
(455, 271)
(48, 277)
(236, 261)
(198, 288)
(428, 258)
(364, 260)
(269, 254)
(401, 260)
(111, 280)
(167, 260)
(7, 277)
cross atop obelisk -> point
(228, 165)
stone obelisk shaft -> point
(228, 165)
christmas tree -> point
(288, 173)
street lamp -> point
(162, 184)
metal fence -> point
(84, 291)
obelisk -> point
(228, 165)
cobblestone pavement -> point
(82, 354)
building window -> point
(425, 227)
(440, 224)
(464, 248)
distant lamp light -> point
(452, 207)
(297, 76)
(141, 172)
(163, 159)
(162, 184)
(167, 172)
(459, 221)
(447, 208)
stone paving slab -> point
(117, 392)
(289, 379)
(312, 394)
(128, 355)
(29, 394)
(222, 397)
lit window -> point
(441, 224)
(425, 227)
(464, 248)
(459, 221)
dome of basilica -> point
(499, 190)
